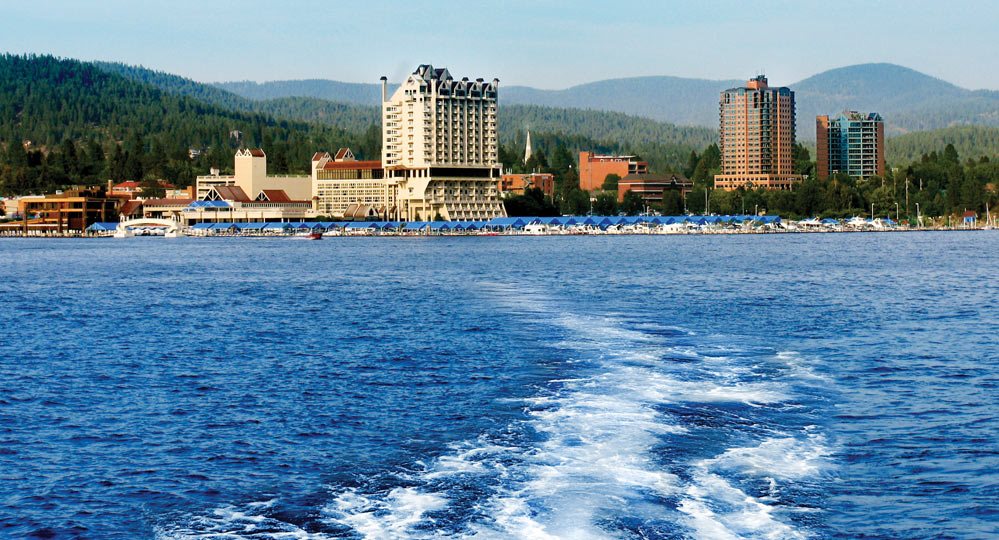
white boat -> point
(536, 229)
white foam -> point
(468, 459)
(799, 366)
(716, 508)
(231, 522)
(388, 517)
(781, 458)
(594, 461)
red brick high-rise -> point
(757, 137)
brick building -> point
(517, 184)
(593, 169)
(756, 136)
(652, 186)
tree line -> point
(936, 184)
(64, 122)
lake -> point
(694, 386)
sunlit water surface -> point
(774, 386)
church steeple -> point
(527, 150)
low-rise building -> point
(594, 169)
(651, 187)
(70, 210)
(251, 176)
(131, 189)
(167, 208)
(232, 204)
(517, 184)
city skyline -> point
(550, 45)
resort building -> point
(168, 208)
(517, 184)
(346, 188)
(232, 204)
(71, 210)
(594, 169)
(851, 143)
(756, 137)
(651, 187)
(248, 195)
(131, 189)
(251, 176)
(439, 144)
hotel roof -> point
(351, 165)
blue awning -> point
(103, 226)
(208, 204)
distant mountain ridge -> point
(909, 100)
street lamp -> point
(896, 212)
(919, 220)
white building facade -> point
(439, 143)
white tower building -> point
(439, 142)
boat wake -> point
(649, 432)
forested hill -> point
(108, 126)
(355, 93)
(351, 118)
(969, 141)
(46, 100)
(87, 123)
(665, 145)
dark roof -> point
(130, 207)
(274, 195)
(257, 152)
(232, 193)
(348, 165)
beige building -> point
(347, 188)
(248, 195)
(251, 176)
(757, 137)
(439, 144)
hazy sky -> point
(540, 43)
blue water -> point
(761, 386)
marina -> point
(513, 226)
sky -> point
(549, 44)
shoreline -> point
(366, 233)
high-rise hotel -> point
(757, 137)
(439, 144)
(852, 143)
